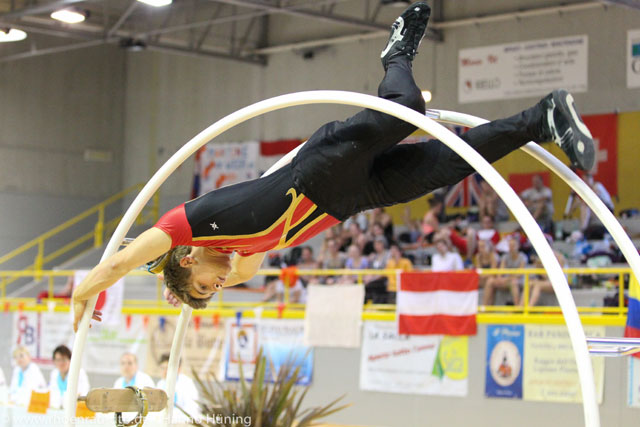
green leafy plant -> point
(265, 404)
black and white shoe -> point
(567, 130)
(406, 33)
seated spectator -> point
(462, 237)
(331, 258)
(350, 235)
(58, 378)
(488, 230)
(186, 397)
(308, 262)
(131, 376)
(431, 220)
(512, 259)
(412, 234)
(541, 283)
(377, 232)
(376, 285)
(486, 257)
(489, 204)
(445, 259)
(539, 201)
(590, 224)
(380, 216)
(355, 261)
(396, 262)
(26, 378)
(360, 219)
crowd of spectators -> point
(440, 242)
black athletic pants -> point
(354, 165)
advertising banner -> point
(505, 345)
(522, 69)
(395, 363)
(281, 340)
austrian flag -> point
(437, 303)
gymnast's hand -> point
(78, 311)
(171, 298)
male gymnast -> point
(220, 238)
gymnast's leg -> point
(408, 171)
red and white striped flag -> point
(437, 303)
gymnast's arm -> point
(244, 268)
(146, 247)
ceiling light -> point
(426, 94)
(69, 16)
(11, 35)
(156, 3)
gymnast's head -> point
(194, 274)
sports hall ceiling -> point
(246, 30)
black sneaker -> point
(568, 130)
(407, 33)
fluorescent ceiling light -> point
(69, 16)
(156, 3)
(426, 94)
(12, 35)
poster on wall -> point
(203, 348)
(222, 164)
(550, 372)
(281, 340)
(522, 69)
(633, 58)
(42, 332)
(429, 364)
(505, 345)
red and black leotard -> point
(250, 217)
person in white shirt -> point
(186, 396)
(590, 224)
(131, 376)
(445, 259)
(26, 378)
(539, 201)
(58, 379)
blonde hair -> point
(21, 349)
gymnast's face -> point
(209, 271)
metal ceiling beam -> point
(434, 25)
(44, 30)
(123, 18)
(254, 60)
(225, 19)
(305, 13)
(633, 4)
(43, 8)
(51, 50)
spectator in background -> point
(590, 225)
(331, 258)
(58, 378)
(487, 230)
(377, 232)
(512, 259)
(431, 220)
(489, 204)
(186, 397)
(396, 262)
(26, 378)
(486, 257)
(380, 216)
(308, 262)
(445, 259)
(539, 201)
(355, 261)
(541, 283)
(376, 285)
(131, 376)
(360, 219)
(350, 236)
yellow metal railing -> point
(608, 316)
(101, 229)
